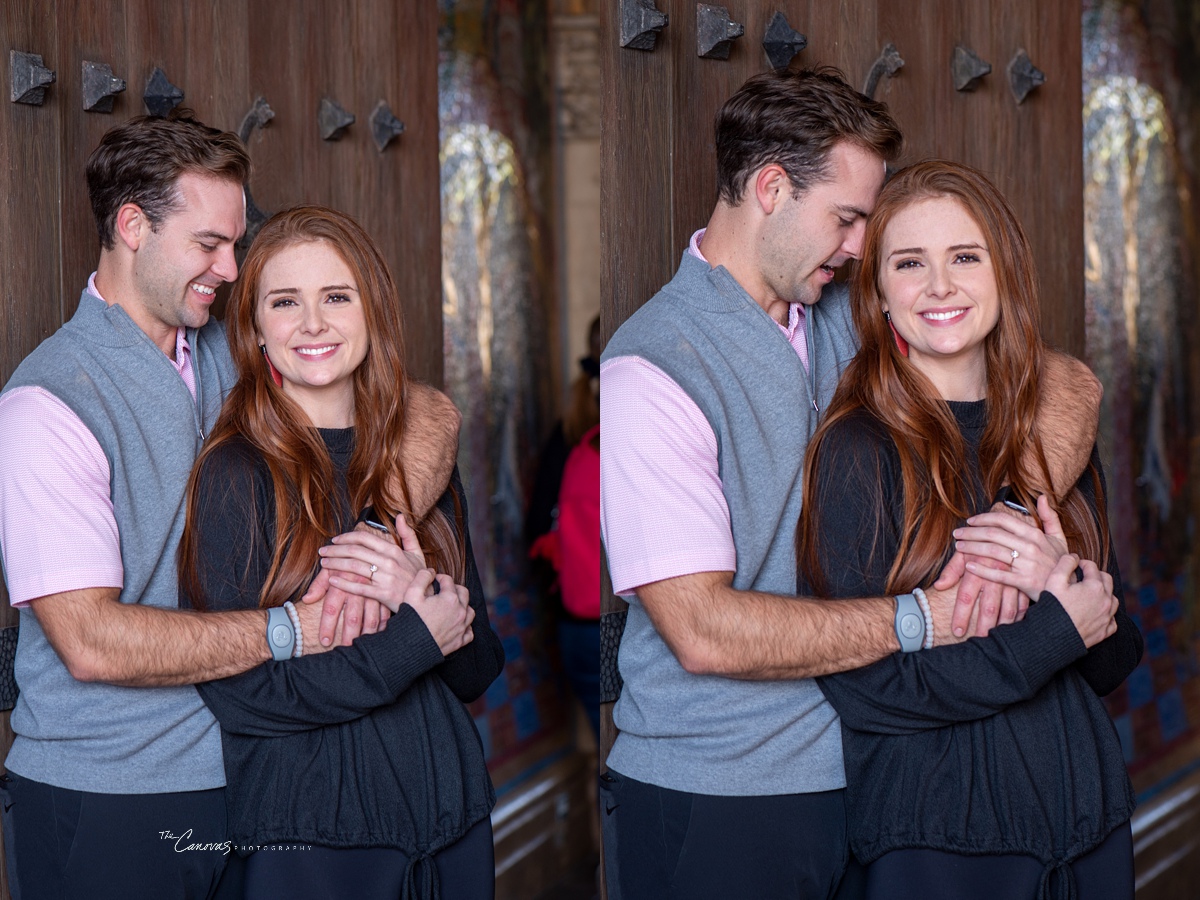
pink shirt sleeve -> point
(662, 510)
(57, 529)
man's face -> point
(807, 238)
(178, 268)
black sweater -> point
(995, 745)
(362, 746)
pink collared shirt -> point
(662, 510)
(57, 529)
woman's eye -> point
(967, 257)
(907, 264)
(338, 298)
(281, 302)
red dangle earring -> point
(901, 343)
(275, 376)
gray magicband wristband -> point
(910, 623)
(281, 636)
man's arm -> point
(714, 629)
(101, 639)
(430, 447)
(1068, 417)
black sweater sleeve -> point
(906, 692)
(233, 520)
(469, 670)
(1109, 662)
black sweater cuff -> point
(405, 650)
(1045, 641)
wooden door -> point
(223, 55)
(658, 180)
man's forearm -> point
(714, 629)
(101, 639)
(1068, 417)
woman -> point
(365, 756)
(988, 768)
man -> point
(99, 428)
(726, 778)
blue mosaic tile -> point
(1156, 642)
(1147, 596)
(502, 604)
(512, 647)
(497, 692)
(525, 711)
(1172, 610)
(1141, 686)
(1171, 714)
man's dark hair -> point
(794, 119)
(141, 160)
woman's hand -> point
(1090, 603)
(1015, 552)
(447, 614)
(368, 564)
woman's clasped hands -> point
(367, 563)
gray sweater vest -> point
(102, 737)
(708, 734)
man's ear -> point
(771, 185)
(131, 225)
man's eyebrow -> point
(212, 236)
(853, 211)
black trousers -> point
(463, 871)
(661, 844)
(1106, 873)
(78, 845)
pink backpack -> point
(579, 528)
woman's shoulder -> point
(235, 460)
(859, 431)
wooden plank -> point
(94, 32)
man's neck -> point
(115, 290)
(729, 242)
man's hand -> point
(1012, 551)
(447, 615)
(1090, 603)
(979, 605)
(344, 616)
(942, 605)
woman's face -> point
(310, 318)
(939, 286)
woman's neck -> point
(956, 379)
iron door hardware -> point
(160, 95)
(641, 21)
(782, 42)
(27, 78)
(887, 63)
(1024, 76)
(968, 69)
(385, 127)
(100, 87)
(332, 120)
(715, 32)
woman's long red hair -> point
(937, 491)
(301, 470)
